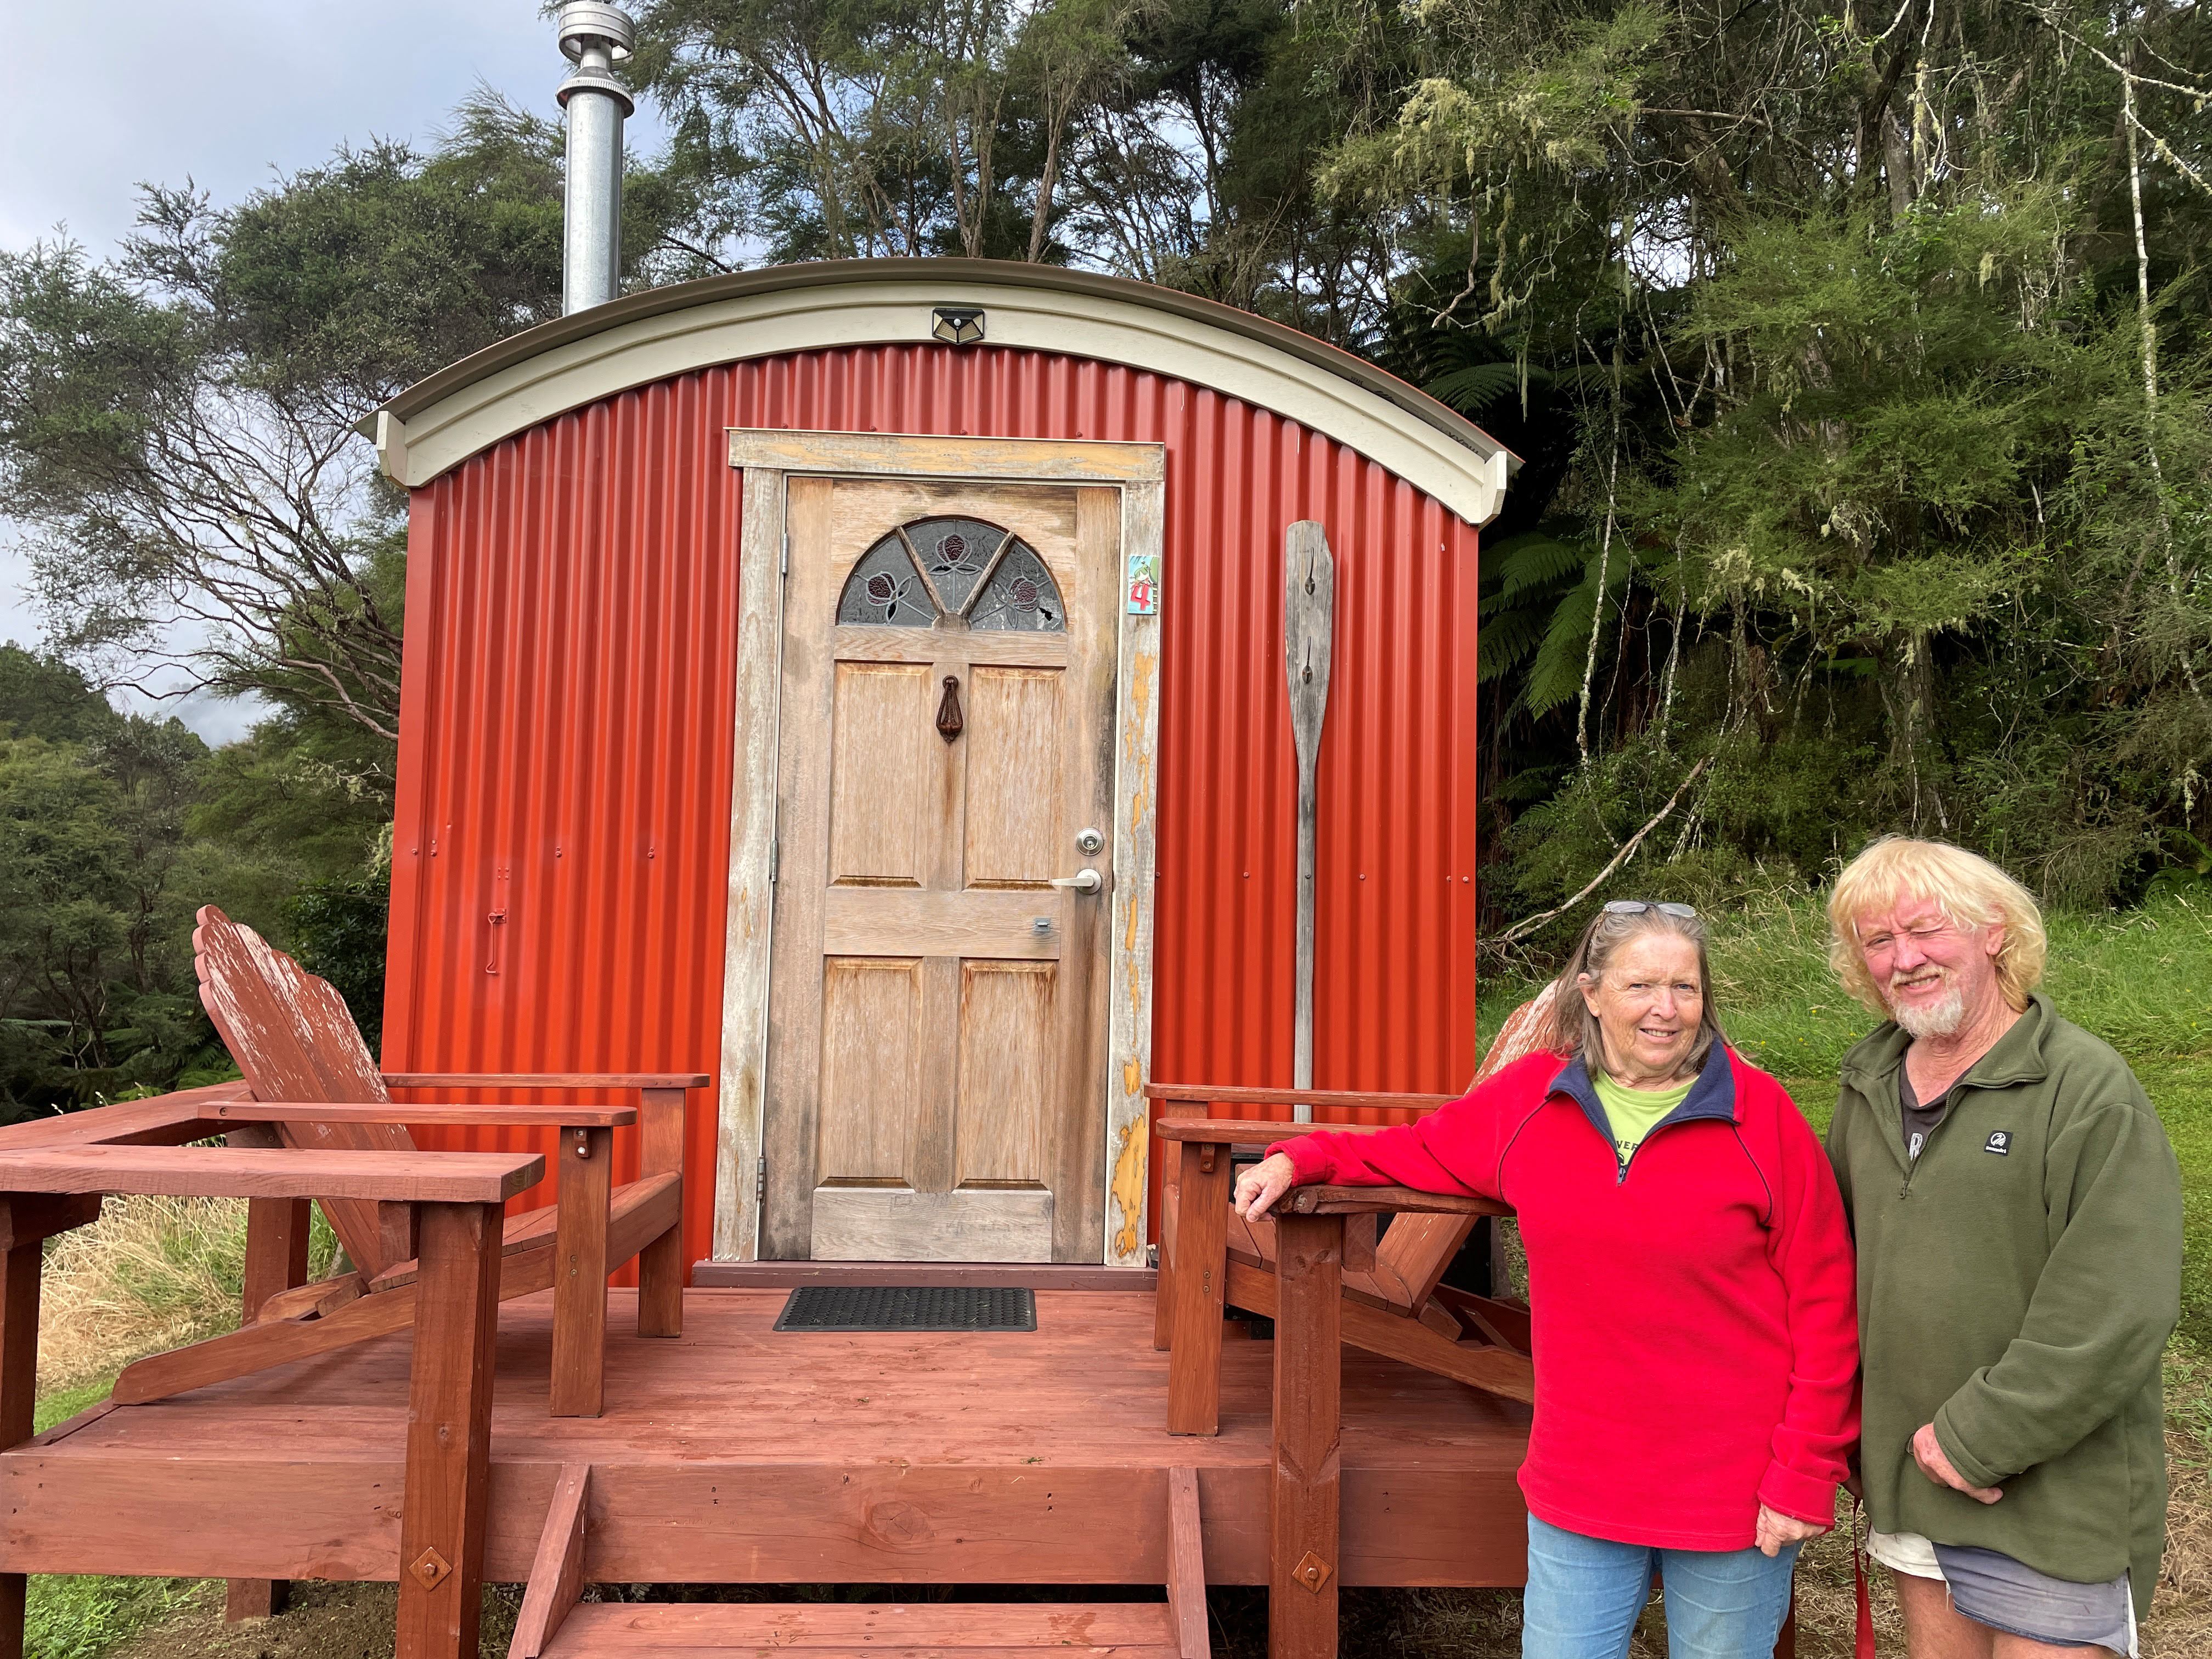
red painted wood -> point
(447, 1494)
(566, 719)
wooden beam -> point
(242, 1353)
(1250, 1132)
(546, 1079)
(293, 1111)
(447, 1489)
(28, 1217)
(1187, 1567)
(1494, 1370)
(255, 1598)
(1201, 1282)
(164, 1121)
(556, 1576)
(1164, 1303)
(1377, 1200)
(232, 1172)
(580, 1284)
(276, 1235)
(1356, 1099)
(19, 1377)
(1303, 1515)
(660, 1262)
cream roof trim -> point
(557, 367)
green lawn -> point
(83, 1617)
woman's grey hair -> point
(1574, 1029)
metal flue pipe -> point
(595, 38)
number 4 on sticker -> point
(1143, 585)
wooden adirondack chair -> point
(315, 1086)
(1396, 1302)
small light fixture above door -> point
(958, 326)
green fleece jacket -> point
(2016, 1288)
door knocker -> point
(949, 722)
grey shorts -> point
(1994, 1589)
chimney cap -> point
(582, 21)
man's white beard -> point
(1940, 1021)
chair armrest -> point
(309, 1111)
(1249, 1131)
(1201, 1094)
(167, 1120)
(546, 1080)
(1385, 1201)
(232, 1172)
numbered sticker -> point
(1144, 586)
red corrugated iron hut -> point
(872, 735)
(781, 647)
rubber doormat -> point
(908, 1308)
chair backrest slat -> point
(294, 1039)
(1417, 1248)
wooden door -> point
(937, 1006)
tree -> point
(178, 424)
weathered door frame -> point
(767, 456)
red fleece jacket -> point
(1695, 1321)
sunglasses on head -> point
(1637, 907)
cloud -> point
(105, 95)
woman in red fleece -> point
(1691, 1277)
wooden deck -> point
(736, 1453)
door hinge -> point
(784, 567)
(760, 1182)
(774, 859)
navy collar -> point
(1712, 1095)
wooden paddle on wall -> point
(1309, 628)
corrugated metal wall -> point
(565, 731)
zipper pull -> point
(1621, 1179)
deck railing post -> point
(1303, 1510)
(18, 1369)
(660, 1264)
(580, 1272)
(278, 1231)
(448, 1479)
(1200, 1281)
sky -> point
(98, 95)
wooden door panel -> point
(865, 922)
(1016, 761)
(872, 1054)
(1010, 1041)
(884, 777)
(864, 1224)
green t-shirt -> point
(1634, 1113)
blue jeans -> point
(1584, 1594)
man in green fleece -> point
(2018, 1214)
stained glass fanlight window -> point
(952, 567)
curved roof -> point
(436, 424)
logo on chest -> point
(1999, 1142)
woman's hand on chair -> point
(1259, 1187)
(1775, 1530)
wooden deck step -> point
(943, 1629)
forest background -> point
(1859, 359)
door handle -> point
(1083, 881)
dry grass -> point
(151, 1274)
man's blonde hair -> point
(1969, 889)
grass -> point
(152, 1274)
